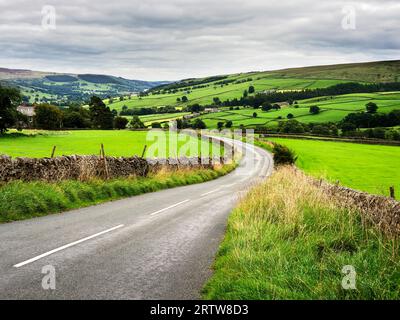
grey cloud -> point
(175, 39)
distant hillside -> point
(61, 88)
(381, 71)
(210, 90)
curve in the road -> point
(153, 246)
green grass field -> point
(370, 168)
(85, 142)
(162, 117)
(333, 109)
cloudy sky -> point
(175, 39)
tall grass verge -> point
(23, 200)
(288, 239)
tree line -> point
(50, 117)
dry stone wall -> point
(86, 167)
(382, 211)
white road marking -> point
(66, 246)
(170, 207)
(207, 193)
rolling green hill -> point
(380, 71)
(204, 90)
(60, 88)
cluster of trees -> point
(146, 111)
(50, 117)
(294, 126)
(354, 121)
(195, 124)
(336, 130)
(98, 116)
(376, 133)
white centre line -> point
(170, 207)
(66, 246)
(207, 193)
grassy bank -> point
(23, 200)
(288, 239)
(370, 168)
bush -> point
(120, 123)
(283, 155)
(314, 110)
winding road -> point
(154, 246)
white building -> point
(28, 111)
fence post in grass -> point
(53, 152)
(105, 161)
(199, 149)
(392, 195)
(144, 151)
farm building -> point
(28, 111)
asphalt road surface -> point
(154, 246)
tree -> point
(220, 125)
(156, 125)
(245, 94)
(48, 117)
(178, 99)
(290, 116)
(251, 89)
(254, 114)
(321, 129)
(266, 106)
(229, 124)
(120, 123)
(348, 127)
(314, 110)
(194, 108)
(199, 124)
(217, 101)
(76, 117)
(371, 107)
(276, 106)
(185, 99)
(136, 123)
(100, 115)
(9, 100)
(290, 126)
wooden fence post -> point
(392, 195)
(53, 152)
(144, 151)
(199, 147)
